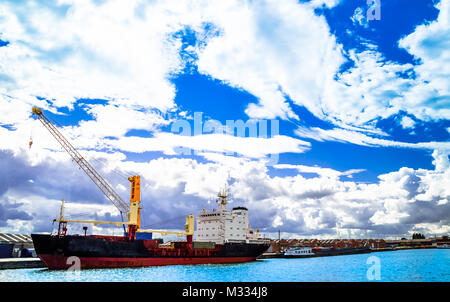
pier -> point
(15, 263)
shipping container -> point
(6, 250)
(145, 236)
(203, 245)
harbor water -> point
(427, 265)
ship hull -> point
(297, 256)
(63, 263)
(64, 252)
(343, 251)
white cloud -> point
(407, 122)
(371, 89)
(441, 161)
(323, 172)
(126, 52)
(88, 51)
(359, 138)
(170, 143)
(304, 69)
(326, 3)
(429, 43)
(280, 47)
(316, 206)
(359, 17)
(113, 121)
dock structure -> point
(17, 239)
(282, 244)
(11, 245)
(278, 246)
(15, 263)
(12, 255)
(413, 243)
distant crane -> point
(132, 211)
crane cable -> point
(91, 158)
(71, 137)
(51, 125)
(165, 221)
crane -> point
(132, 210)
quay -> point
(351, 246)
(17, 251)
(269, 255)
(15, 263)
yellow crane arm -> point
(94, 222)
(188, 228)
(83, 163)
(132, 210)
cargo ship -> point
(57, 252)
(222, 236)
(227, 239)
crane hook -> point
(30, 143)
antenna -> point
(222, 200)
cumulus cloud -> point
(271, 43)
(66, 50)
(429, 44)
(8, 212)
(324, 205)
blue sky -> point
(361, 105)
(217, 100)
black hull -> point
(82, 246)
(345, 251)
(296, 256)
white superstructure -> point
(222, 226)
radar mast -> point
(222, 199)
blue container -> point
(6, 250)
(141, 236)
(147, 236)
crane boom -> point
(101, 183)
(132, 210)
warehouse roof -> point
(15, 238)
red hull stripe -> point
(61, 262)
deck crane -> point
(132, 211)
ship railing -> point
(235, 241)
(248, 241)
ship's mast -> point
(222, 199)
